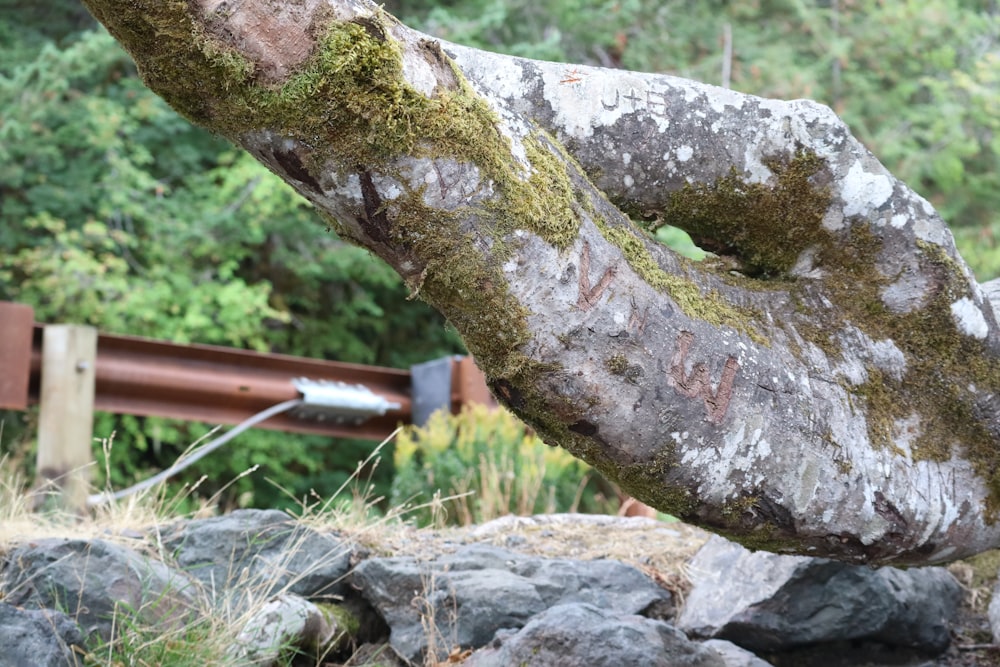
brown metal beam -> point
(16, 322)
(223, 385)
(219, 385)
(468, 384)
(139, 376)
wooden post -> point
(66, 417)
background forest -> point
(116, 212)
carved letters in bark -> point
(654, 102)
(590, 295)
(698, 384)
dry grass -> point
(658, 548)
(137, 522)
(115, 521)
(498, 491)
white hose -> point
(182, 463)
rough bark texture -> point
(829, 386)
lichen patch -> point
(864, 191)
(969, 318)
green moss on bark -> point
(711, 307)
(653, 482)
(765, 226)
(945, 368)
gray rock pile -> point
(292, 586)
(799, 610)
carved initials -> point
(613, 105)
(657, 103)
(589, 296)
(698, 384)
(634, 99)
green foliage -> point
(138, 644)
(569, 30)
(285, 467)
(116, 212)
(924, 84)
(77, 276)
(680, 242)
(497, 461)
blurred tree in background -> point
(115, 212)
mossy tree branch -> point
(832, 388)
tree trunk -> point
(828, 385)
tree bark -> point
(828, 385)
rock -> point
(288, 621)
(38, 637)
(584, 635)
(260, 553)
(93, 581)
(733, 655)
(374, 655)
(512, 608)
(769, 603)
(469, 595)
(993, 612)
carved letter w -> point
(698, 384)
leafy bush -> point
(481, 464)
(118, 213)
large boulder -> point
(583, 635)
(260, 553)
(772, 604)
(96, 583)
(38, 637)
(462, 599)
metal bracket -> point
(340, 402)
(431, 382)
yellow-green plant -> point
(486, 463)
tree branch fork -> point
(829, 386)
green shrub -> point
(485, 463)
(117, 213)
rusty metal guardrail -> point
(73, 370)
(214, 384)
